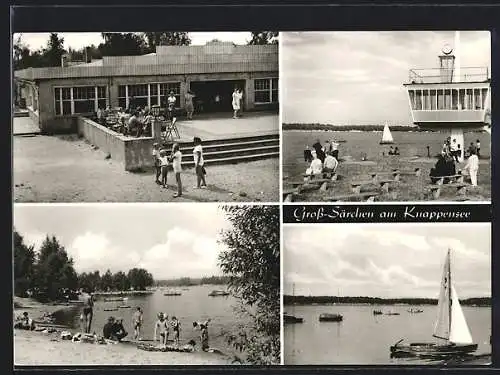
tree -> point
(24, 262)
(54, 271)
(107, 281)
(140, 279)
(120, 281)
(166, 39)
(54, 51)
(122, 44)
(252, 260)
(264, 37)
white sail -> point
(442, 326)
(459, 331)
(387, 136)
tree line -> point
(49, 275)
(307, 300)
(188, 281)
(339, 128)
(114, 44)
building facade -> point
(55, 96)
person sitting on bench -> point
(316, 167)
(331, 164)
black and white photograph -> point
(145, 117)
(186, 284)
(386, 116)
(387, 294)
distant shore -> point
(308, 300)
(39, 348)
(341, 128)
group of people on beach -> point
(162, 159)
(323, 159)
(115, 331)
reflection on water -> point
(363, 338)
(193, 305)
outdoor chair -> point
(171, 131)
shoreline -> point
(43, 348)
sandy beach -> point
(38, 348)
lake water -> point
(363, 338)
(193, 305)
(359, 142)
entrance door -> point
(214, 96)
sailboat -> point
(386, 136)
(450, 327)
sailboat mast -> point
(449, 292)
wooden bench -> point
(456, 178)
(395, 175)
(331, 176)
(289, 194)
(384, 185)
(460, 187)
(367, 197)
(417, 172)
(322, 183)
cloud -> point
(94, 251)
(34, 239)
(182, 253)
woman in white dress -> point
(236, 102)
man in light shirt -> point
(330, 164)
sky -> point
(170, 242)
(385, 260)
(79, 40)
(357, 77)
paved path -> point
(24, 125)
(67, 169)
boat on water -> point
(451, 329)
(327, 317)
(170, 294)
(391, 313)
(415, 311)
(124, 307)
(115, 299)
(377, 312)
(218, 293)
(290, 319)
(387, 136)
(110, 310)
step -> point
(22, 114)
(226, 153)
(235, 159)
(230, 145)
(222, 141)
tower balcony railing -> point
(440, 75)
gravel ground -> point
(67, 169)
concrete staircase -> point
(21, 113)
(233, 150)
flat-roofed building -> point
(55, 96)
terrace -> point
(440, 75)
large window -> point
(148, 94)
(266, 90)
(79, 99)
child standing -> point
(176, 161)
(176, 326)
(155, 153)
(473, 166)
(164, 167)
(161, 327)
(198, 163)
